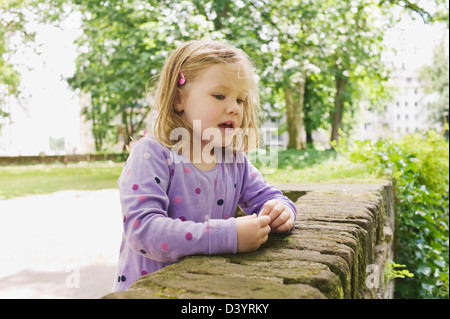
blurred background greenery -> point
(317, 60)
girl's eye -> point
(222, 97)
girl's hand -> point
(252, 232)
(280, 216)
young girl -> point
(177, 203)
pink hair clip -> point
(182, 80)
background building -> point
(407, 113)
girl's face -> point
(216, 101)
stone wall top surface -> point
(340, 230)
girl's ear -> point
(178, 103)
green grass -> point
(308, 166)
(314, 166)
(334, 171)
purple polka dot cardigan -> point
(172, 209)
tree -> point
(353, 48)
(440, 12)
(12, 22)
(14, 17)
(278, 35)
(297, 23)
(319, 103)
(124, 45)
(291, 42)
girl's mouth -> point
(226, 127)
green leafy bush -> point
(418, 165)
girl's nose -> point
(232, 108)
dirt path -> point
(61, 245)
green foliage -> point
(125, 43)
(335, 46)
(15, 15)
(12, 22)
(419, 167)
(123, 46)
(393, 272)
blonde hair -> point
(192, 58)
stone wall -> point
(339, 248)
(62, 159)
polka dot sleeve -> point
(154, 208)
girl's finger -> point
(264, 221)
(267, 208)
(287, 225)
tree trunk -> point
(291, 119)
(338, 109)
(126, 134)
(301, 98)
(309, 139)
(294, 115)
